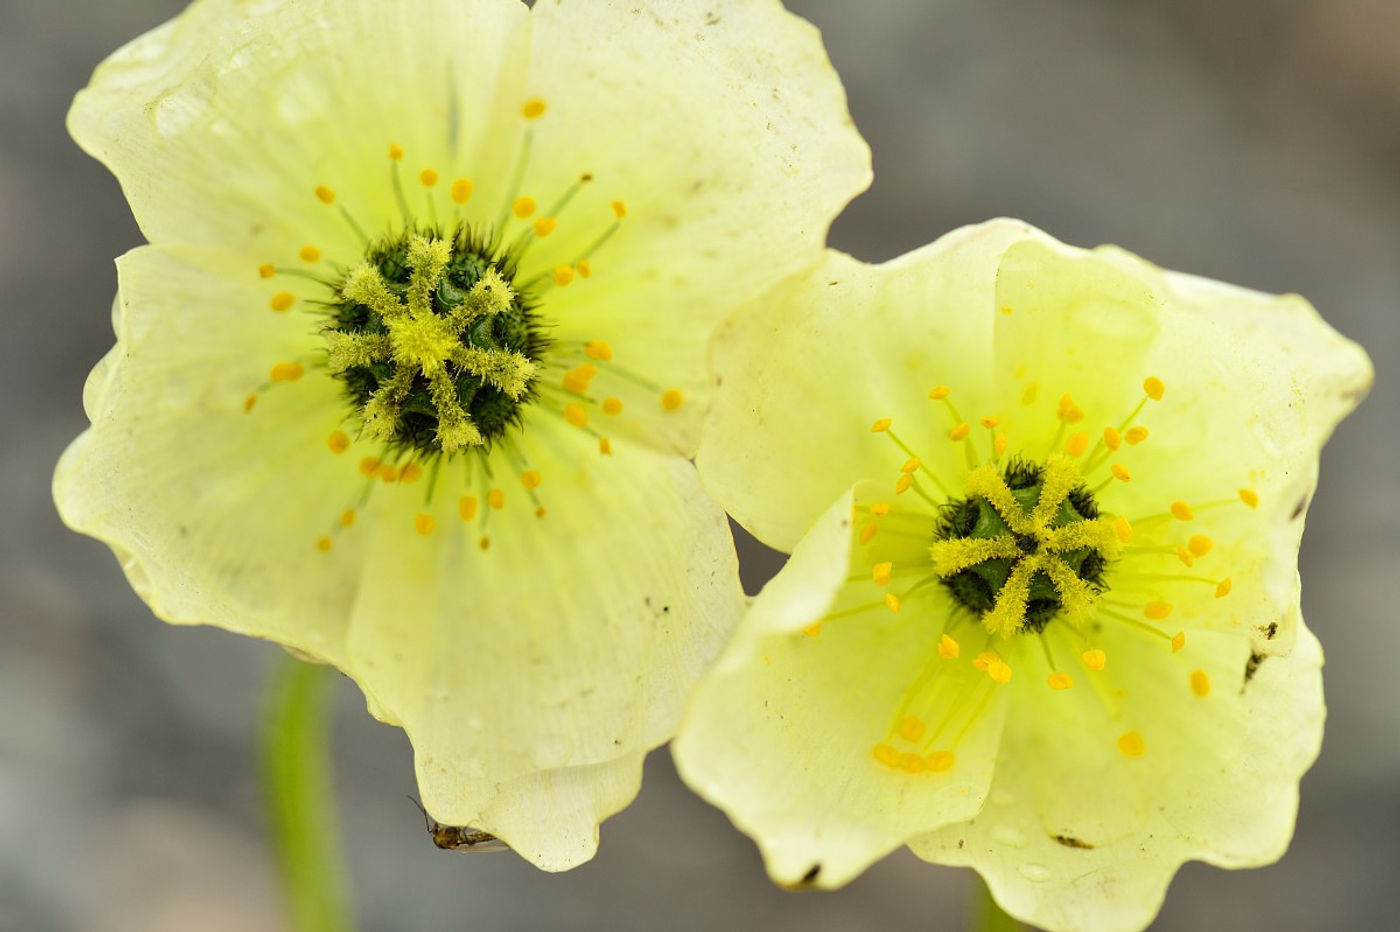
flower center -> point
(1025, 545)
(436, 348)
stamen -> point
(282, 301)
(1094, 658)
(1200, 684)
(1199, 545)
(338, 441)
(1131, 744)
(1154, 388)
(267, 270)
(462, 190)
(1135, 435)
(672, 399)
(309, 254)
(1249, 497)
(424, 524)
(1060, 681)
(1182, 511)
(948, 648)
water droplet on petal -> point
(1037, 873)
(1009, 836)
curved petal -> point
(803, 372)
(1087, 837)
(221, 123)
(780, 735)
(570, 640)
(743, 155)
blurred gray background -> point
(1256, 141)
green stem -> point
(991, 918)
(301, 797)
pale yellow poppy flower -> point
(1050, 627)
(408, 377)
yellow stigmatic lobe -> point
(438, 351)
(1027, 544)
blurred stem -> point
(990, 917)
(301, 797)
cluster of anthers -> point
(1023, 549)
(439, 345)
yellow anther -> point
(1185, 557)
(1200, 684)
(880, 509)
(990, 422)
(1094, 658)
(1182, 511)
(1069, 412)
(533, 108)
(338, 441)
(286, 372)
(1121, 473)
(984, 660)
(1000, 443)
(485, 542)
(531, 479)
(411, 473)
(524, 206)
(1123, 529)
(619, 209)
(462, 190)
(1157, 610)
(1222, 589)
(576, 414)
(1154, 388)
(1000, 671)
(867, 533)
(282, 301)
(424, 524)
(1199, 545)
(1178, 642)
(672, 399)
(467, 507)
(912, 763)
(881, 572)
(267, 270)
(249, 402)
(1111, 438)
(940, 761)
(545, 226)
(1077, 444)
(387, 472)
(325, 194)
(1135, 435)
(892, 602)
(612, 406)
(563, 275)
(347, 518)
(324, 544)
(396, 152)
(1130, 743)
(901, 485)
(1060, 681)
(886, 754)
(428, 177)
(585, 268)
(911, 728)
(369, 466)
(939, 392)
(540, 512)
(912, 464)
(1249, 497)
(1030, 393)
(309, 254)
(948, 648)
(578, 378)
(496, 499)
(1007, 309)
(881, 425)
(600, 350)
(605, 446)
(812, 630)
(960, 432)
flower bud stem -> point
(300, 797)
